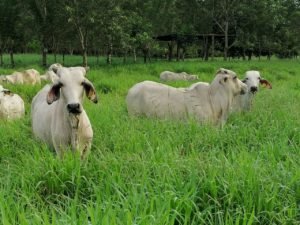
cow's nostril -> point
(253, 89)
(74, 108)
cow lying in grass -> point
(30, 76)
(58, 117)
(205, 102)
(171, 76)
(11, 105)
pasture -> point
(148, 171)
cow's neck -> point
(72, 123)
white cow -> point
(171, 76)
(11, 105)
(205, 102)
(30, 76)
(58, 117)
(252, 80)
(50, 75)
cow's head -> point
(193, 77)
(3, 79)
(253, 79)
(230, 81)
(70, 87)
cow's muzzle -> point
(253, 89)
(74, 108)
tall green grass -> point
(148, 171)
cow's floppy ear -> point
(54, 93)
(90, 91)
(266, 83)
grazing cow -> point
(58, 117)
(11, 105)
(171, 76)
(30, 76)
(205, 102)
(50, 75)
(252, 80)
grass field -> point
(147, 171)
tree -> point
(82, 15)
(224, 16)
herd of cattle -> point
(59, 119)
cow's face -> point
(253, 79)
(70, 87)
(230, 81)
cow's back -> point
(11, 106)
(155, 100)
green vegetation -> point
(147, 171)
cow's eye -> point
(234, 77)
(259, 78)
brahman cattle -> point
(171, 76)
(252, 80)
(205, 102)
(11, 105)
(30, 76)
(50, 75)
(58, 117)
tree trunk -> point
(259, 50)
(63, 57)
(97, 53)
(183, 53)
(1, 58)
(269, 55)
(55, 56)
(249, 55)
(226, 41)
(12, 60)
(148, 54)
(170, 46)
(145, 55)
(134, 55)
(44, 56)
(212, 47)
(109, 53)
(178, 51)
(125, 57)
(84, 57)
(206, 49)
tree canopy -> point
(104, 27)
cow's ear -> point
(54, 93)
(219, 70)
(90, 91)
(266, 83)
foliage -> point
(249, 27)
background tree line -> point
(129, 27)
